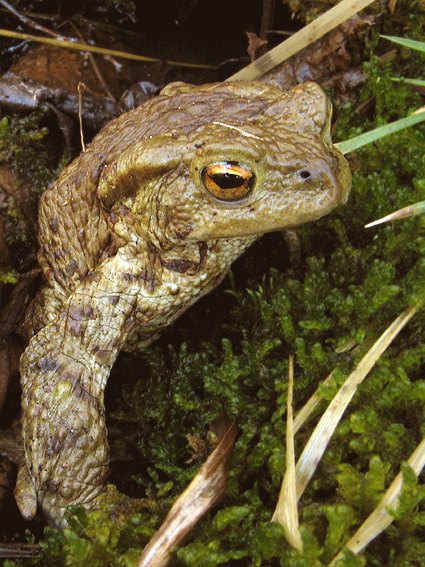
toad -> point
(139, 227)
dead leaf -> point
(257, 47)
(206, 488)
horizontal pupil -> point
(227, 180)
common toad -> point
(138, 228)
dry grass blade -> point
(380, 519)
(409, 211)
(25, 20)
(316, 29)
(319, 440)
(204, 490)
(286, 513)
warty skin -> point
(138, 228)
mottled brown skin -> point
(130, 238)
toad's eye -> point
(228, 180)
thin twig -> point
(94, 49)
(31, 23)
(81, 88)
(95, 67)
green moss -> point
(23, 146)
(9, 277)
(307, 10)
(28, 152)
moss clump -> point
(27, 155)
(23, 146)
(9, 277)
(308, 10)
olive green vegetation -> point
(308, 10)
(351, 282)
(23, 148)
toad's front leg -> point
(64, 372)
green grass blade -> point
(417, 82)
(405, 42)
(369, 137)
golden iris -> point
(228, 180)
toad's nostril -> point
(305, 174)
